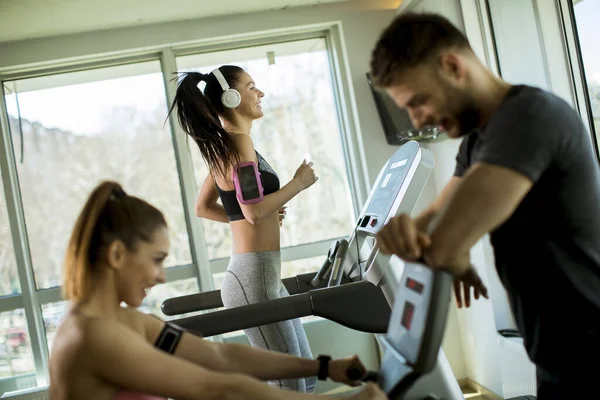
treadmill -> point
(356, 286)
(360, 288)
(396, 190)
(353, 277)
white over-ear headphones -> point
(230, 98)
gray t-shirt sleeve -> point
(524, 135)
(462, 158)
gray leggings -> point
(255, 277)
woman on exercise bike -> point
(104, 351)
(219, 120)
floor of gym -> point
(471, 393)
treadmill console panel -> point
(389, 183)
(411, 308)
(416, 327)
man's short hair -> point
(410, 40)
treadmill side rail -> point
(250, 316)
(359, 305)
(211, 300)
(370, 311)
(192, 303)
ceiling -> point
(28, 19)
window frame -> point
(16, 218)
(31, 299)
(566, 11)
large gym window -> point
(586, 14)
(300, 121)
(66, 129)
(71, 131)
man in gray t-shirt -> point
(526, 173)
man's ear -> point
(452, 66)
(116, 254)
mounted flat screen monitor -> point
(396, 122)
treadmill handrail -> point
(212, 299)
(192, 303)
(359, 305)
(250, 316)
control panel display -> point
(389, 186)
(414, 285)
(407, 315)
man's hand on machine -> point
(465, 278)
(469, 279)
(402, 237)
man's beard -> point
(467, 115)
(468, 119)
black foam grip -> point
(371, 376)
(354, 373)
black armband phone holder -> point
(169, 338)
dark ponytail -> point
(108, 214)
(198, 115)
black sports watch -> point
(323, 367)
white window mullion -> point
(358, 178)
(52, 295)
(291, 253)
(181, 272)
(10, 303)
(16, 217)
(186, 178)
(306, 250)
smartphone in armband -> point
(248, 186)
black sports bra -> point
(270, 183)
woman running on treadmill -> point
(104, 351)
(219, 120)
